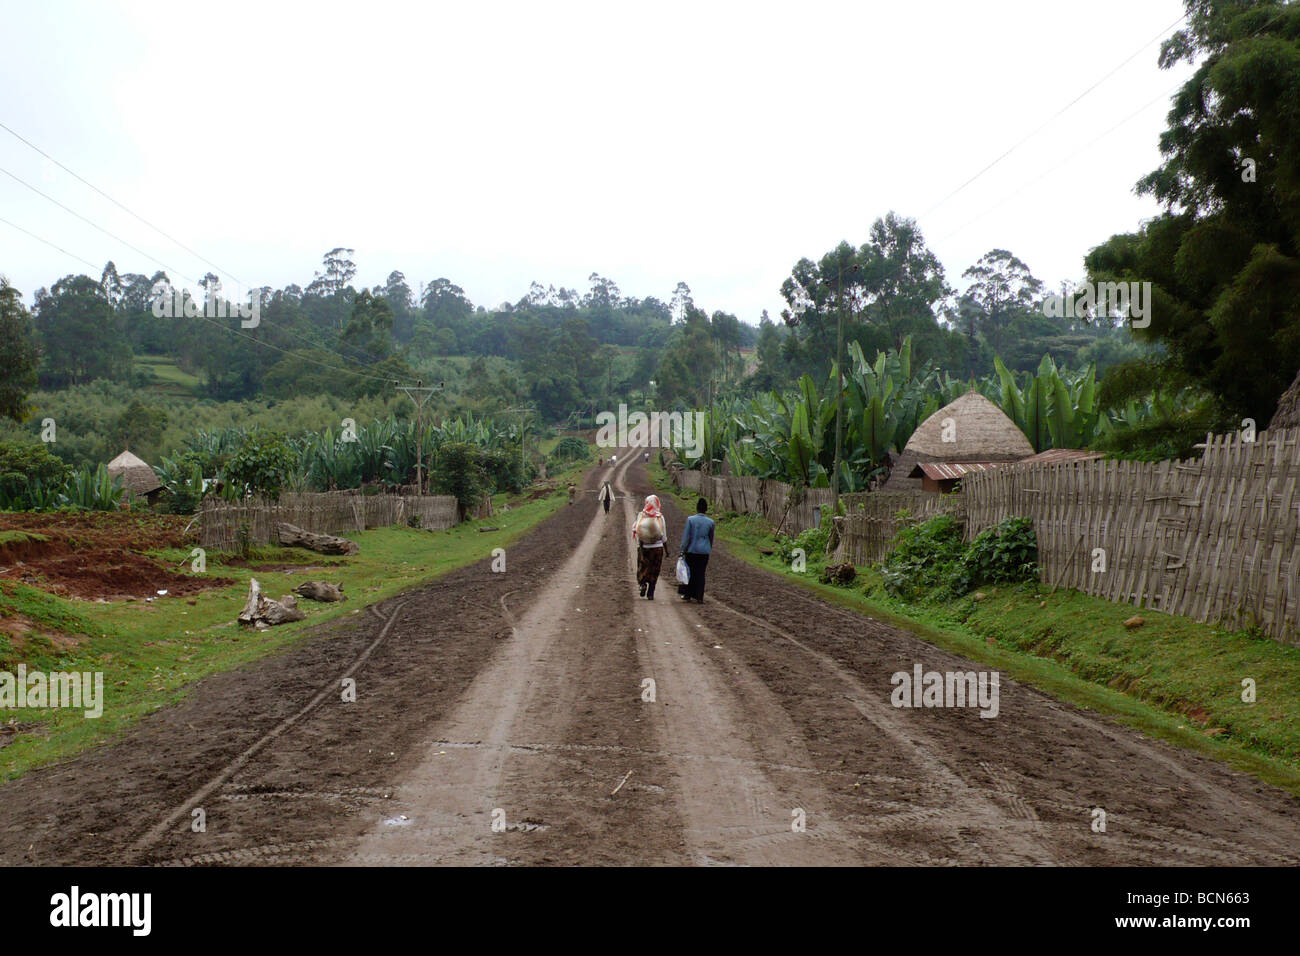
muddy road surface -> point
(548, 715)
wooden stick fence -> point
(323, 513)
(1216, 538)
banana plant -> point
(93, 490)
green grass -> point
(20, 537)
(167, 375)
(151, 653)
(1171, 677)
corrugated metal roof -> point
(948, 470)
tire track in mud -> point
(453, 799)
(735, 811)
(156, 832)
(966, 806)
(1044, 758)
(523, 691)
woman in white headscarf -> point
(650, 531)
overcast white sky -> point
(495, 144)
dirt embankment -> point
(97, 555)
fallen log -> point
(292, 536)
(319, 591)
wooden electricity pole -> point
(420, 394)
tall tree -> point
(1003, 291)
(1224, 257)
(80, 335)
(19, 357)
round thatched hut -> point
(969, 430)
(1288, 408)
(137, 477)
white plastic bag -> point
(683, 572)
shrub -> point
(811, 540)
(924, 557)
(30, 477)
(262, 465)
(504, 470)
(458, 471)
(1006, 552)
(930, 559)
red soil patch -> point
(100, 555)
(17, 627)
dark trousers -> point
(696, 563)
(606, 506)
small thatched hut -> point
(971, 429)
(137, 477)
(1288, 408)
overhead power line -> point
(1051, 119)
(85, 182)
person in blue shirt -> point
(697, 545)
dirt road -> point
(498, 713)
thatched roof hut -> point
(979, 432)
(1288, 408)
(137, 477)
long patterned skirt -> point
(648, 563)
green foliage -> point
(571, 448)
(30, 477)
(261, 466)
(812, 540)
(19, 357)
(139, 427)
(81, 336)
(929, 559)
(924, 556)
(1006, 552)
(1223, 259)
(458, 471)
(183, 481)
(93, 490)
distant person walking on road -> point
(605, 495)
(697, 545)
(572, 491)
(651, 534)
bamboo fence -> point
(323, 513)
(1215, 538)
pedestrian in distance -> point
(573, 490)
(697, 545)
(606, 495)
(650, 532)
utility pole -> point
(420, 394)
(524, 412)
(839, 394)
(839, 390)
